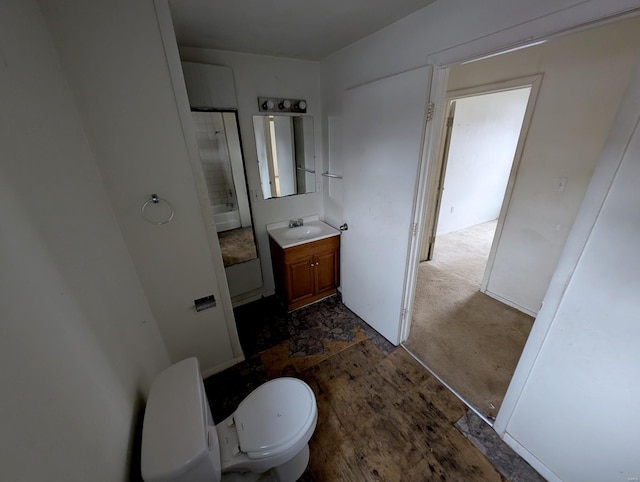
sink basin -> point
(302, 232)
(287, 237)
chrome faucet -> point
(294, 223)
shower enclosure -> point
(215, 157)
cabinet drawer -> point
(306, 250)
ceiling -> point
(303, 29)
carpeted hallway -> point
(468, 339)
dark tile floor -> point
(381, 415)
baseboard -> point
(510, 303)
(531, 459)
(222, 367)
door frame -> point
(430, 171)
(437, 106)
(438, 187)
(534, 82)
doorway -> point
(562, 146)
(483, 129)
(478, 168)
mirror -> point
(221, 158)
(286, 157)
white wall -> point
(79, 344)
(262, 76)
(114, 59)
(584, 74)
(485, 133)
(577, 412)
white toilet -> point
(266, 438)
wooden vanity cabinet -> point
(307, 272)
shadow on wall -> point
(134, 451)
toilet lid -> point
(273, 417)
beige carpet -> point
(468, 339)
(237, 246)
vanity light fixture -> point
(272, 104)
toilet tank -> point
(179, 438)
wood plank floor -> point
(386, 418)
(381, 415)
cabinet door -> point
(326, 271)
(300, 282)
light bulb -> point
(268, 105)
(302, 105)
(285, 104)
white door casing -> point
(384, 127)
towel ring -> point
(153, 201)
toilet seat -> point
(276, 417)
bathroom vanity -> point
(306, 262)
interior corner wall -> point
(485, 133)
(263, 76)
(115, 61)
(584, 77)
(79, 345)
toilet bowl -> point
(266, 437)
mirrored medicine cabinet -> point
(286, 158)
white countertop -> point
(312, 230)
